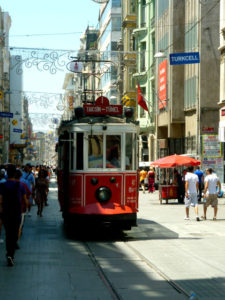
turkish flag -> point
(140, 99)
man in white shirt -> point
(210, 192)
(191, 192)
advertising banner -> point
(163, 84)
(211, 146)
(212, 155)
(216, 163)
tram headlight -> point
(112, 179)
(103, 194)
(94, 181)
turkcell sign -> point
(184, 58)
(4, 114)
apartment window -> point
(131, 79)
(132, 44)
(143, 13)
(142, 111)
(116, 3)
(133, 6)
(191, 36)
(190, 92)
(163, 6)
(116, 23)
(142, 62)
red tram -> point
(97, 166)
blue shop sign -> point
(184, 58)
(17, 130)
(4, 114)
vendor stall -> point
(168, 187)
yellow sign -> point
(14, 122)
(126, 101)
(1, 94)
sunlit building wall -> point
(109, 36)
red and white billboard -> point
(163, 84)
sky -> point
(47, 25)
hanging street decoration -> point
(47, 60)
(100, 1)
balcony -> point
(129, 20)
(140, 31)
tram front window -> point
(95, 151)
(129, 147)
(113, 151)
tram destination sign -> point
(184, 58)
(103, 109)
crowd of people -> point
(192, 186)
(21, 187)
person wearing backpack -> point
(12, 193)
(29, 177)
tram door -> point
(65, 170)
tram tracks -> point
(102, 274)
(171, 282)
(108, 283)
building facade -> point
(169, 81)
(128, 56)
(5, 24)
(201, 86)
(145, 76)
(109, 37)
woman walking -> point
(151, 180)
(41, 191)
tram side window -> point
(129, 147)
(95, 151)
(71, 151)
(80, 146)
(113, 151)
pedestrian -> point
(2, 180)
(28, 175)
(151, 180)
(200, 175)
(180, 186)
(191, 192)
(41, 191)
(25, 201)
(143, 174)
(11, 195)
(210, 192)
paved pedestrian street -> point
(189, 252)
(167, 251)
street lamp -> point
(160, 54)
